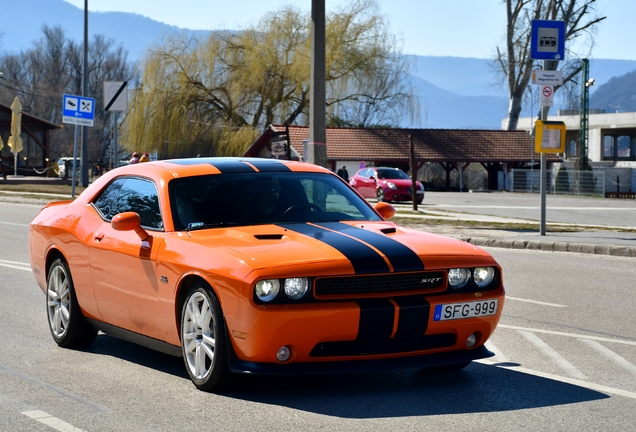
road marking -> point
(532, 207)
(566, 380)
(51, 421)
(535, 302)
(574, 335)
(14, 224)
(547, 350)
(611, 355)
(498, 354)
(15, 265)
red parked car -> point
(385, 184)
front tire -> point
(67, 324)
(380, 195)
(203, 339)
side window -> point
(131, 194)
(140, 196)
(106, 201)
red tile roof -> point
(431, 145)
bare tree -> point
(514, 60)
(214, 96)
(41, 75)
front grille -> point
(352, 286)
(388, 346)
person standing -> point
(134, 159)
(342, 172)
(144, 158)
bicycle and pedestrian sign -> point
(78, 110)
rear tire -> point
(204, 339)
(67, 324)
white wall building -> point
(611, 144)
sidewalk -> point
(589, 239)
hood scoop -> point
(391, 230)
(268, 236)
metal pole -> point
(413, 173)
(74, 176)
(544, 161)
(585, 108)
(115, 161)
(317, 145)
(85, 94)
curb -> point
(586, 248)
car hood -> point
(361, 247)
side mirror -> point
(372, 178)
(386, 210)
(129, 221)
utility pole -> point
(85, 94)
(317, 144)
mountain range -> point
(454, 92)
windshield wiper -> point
(200, 225)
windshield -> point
(392, 174)
(263, 198)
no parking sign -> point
(547, 95)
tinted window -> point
(131, 195)
(392, 174)
(261, 198)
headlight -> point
(391, 185)
(267, 290)
(483, 276)
(420, 186)
(458, 277)
(295, 288)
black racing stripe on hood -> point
(363, 258)
(270, 166)
(401, 257)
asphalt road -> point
(566, 356)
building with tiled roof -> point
(495, 150)
(35, 138)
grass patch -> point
(503, 226)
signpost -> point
(115, 99)
(547, 43)
(80, 111)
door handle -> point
(99, 237)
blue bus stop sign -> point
(78, 110)
(548, 40)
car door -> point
(363, 182)
(123, 266)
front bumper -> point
(358, 366)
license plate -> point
(474, 309)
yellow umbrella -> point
(15, 140)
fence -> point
(566, 182)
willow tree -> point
(514, 62)
(215, 95)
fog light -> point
(283, 354)
(471, 341)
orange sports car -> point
(259, 266)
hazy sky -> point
(459, 28)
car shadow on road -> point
(477, 388)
